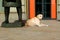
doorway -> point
(43, 7)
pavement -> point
(52, 32)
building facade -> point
(30, 8)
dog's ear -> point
(39, 15)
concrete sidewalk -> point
(52, 32)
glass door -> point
(43, 7)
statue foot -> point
(6, 22)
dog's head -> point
(40, 16)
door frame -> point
(32, 9)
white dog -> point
(36, 21)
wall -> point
(58, 9)
(1, 8)
(53, 9)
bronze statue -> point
(12, 3)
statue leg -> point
(6, 10)
(19, 11)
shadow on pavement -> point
(13, 25)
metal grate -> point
(43, 6)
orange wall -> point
(53, 9)
(32, 8)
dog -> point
(36, 21)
